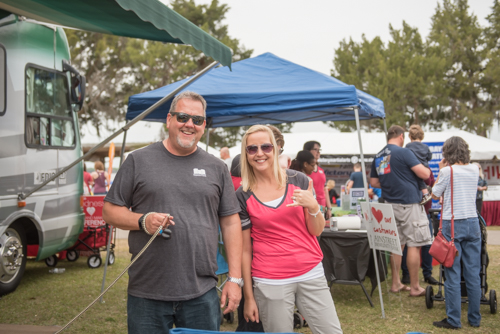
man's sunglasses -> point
(253, 149)
(184, 118)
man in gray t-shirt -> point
(173, 282)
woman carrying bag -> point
(466, 228)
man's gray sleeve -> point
(121, 190)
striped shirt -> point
(464, 191)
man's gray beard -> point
(189, 145)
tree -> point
(407, 81)
(359, 64)
(457, 38)
(451, 78)
(491, 79)
(118, 67)
(399, 74)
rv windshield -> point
(50, 118)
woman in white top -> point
(467, 232)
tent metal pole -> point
(108, 251)
(385, 127)
(122, 152)
(112, 229)
(363, 167)
(23, 196)
(208, 138)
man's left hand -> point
(231, 293)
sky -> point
(308, 32)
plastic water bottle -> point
(333, 224)
(57, 270)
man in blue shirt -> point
(396, 170)
(356, 178)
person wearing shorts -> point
(397, 171)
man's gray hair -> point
(189, 95)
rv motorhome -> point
(41, 168)
(40, 95)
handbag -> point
(442, 250)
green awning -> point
(145, 19)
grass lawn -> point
(54, 299)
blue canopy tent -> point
(266, 89)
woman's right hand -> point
(251, 311)
(305, 198)
(443, 163)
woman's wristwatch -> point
(238, 281)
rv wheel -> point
(12, 258)
(51, 261)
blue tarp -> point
(266, 90)
(198, 331)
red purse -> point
(442, 250)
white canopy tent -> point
(346, 143)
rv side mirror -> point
(77, 91)
(77, 87)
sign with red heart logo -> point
(93, 210)
(382, 234)
(377, 214)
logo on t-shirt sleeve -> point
(199, 172)
(383, 165)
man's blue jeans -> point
(426, 258)
(468, 243)
(156, 316)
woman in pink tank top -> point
(282, 260)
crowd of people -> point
(399, 172)
(270, 210)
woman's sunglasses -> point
(253, 149)
(184, 118)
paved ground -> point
(493, 237)
(121, 234)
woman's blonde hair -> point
(330, 184)
(248, 179)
